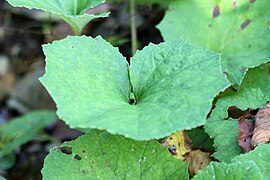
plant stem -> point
(133, 27)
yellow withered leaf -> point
(178, 143)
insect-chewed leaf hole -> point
(66, 150)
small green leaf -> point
(22, 129)
(236, 29)
(253, 93)
(89, 81)
(72, 11)
(92, 156)
(250, 166)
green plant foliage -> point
(253, 93)
(22, 129)
(89, 80)
(200, 139)
(242, 171)
(236, 29)
(6, 162)
(71, 11)
(94, 156)
(252, 165)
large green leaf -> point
(72, 11)
(254, 92)
(89, 81)
(99, 156)
(22, 129)
(239, 30)
(253, 165)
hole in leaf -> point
(131, 101)
(235, 113)
(172, 150)
(77, 157)
(66, 150)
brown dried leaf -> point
(197, 160)
(245, 134)
(179, 144)
(261, 133)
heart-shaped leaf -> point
(173, 85)
(98, 155)
(239, 30)
(72, 11)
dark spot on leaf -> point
(252, 1)
(72, 46)
(83, 151)
(209, 25)
(77, 157)
(84, 171)
(245, 24)
(179, 144)
(201, 162)
(216, 11)
(66, 150)
(234, 4)
(226, 73)
(242, 69)
(93, 162)
(249, 46)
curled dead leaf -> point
(197, 160)
(261, 133)
(245, 134)
(178, 143)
